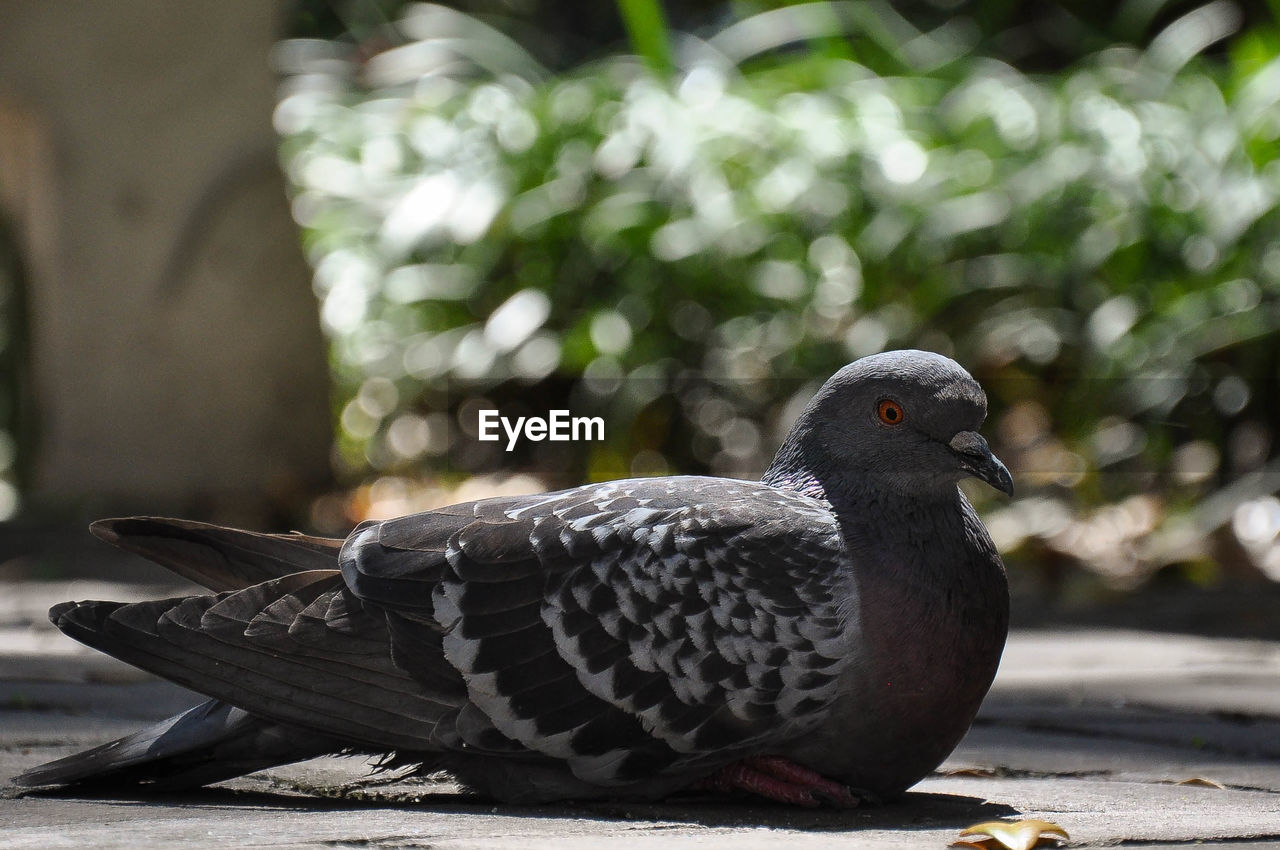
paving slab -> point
(1130, 738)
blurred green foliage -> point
(689, 256)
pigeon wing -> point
(298, 650)
(630, 628)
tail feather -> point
(214, 740)
(208, 743)
(217, 557)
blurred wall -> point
(176, 359)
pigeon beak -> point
(977, 460)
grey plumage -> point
(626, 639)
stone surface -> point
(1094, 730)
(138, 165)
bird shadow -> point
(917, 810)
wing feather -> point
(655, 624)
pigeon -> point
(822, 636)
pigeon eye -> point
(890, 412)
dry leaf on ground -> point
(1011, 835)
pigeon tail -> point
(208, 743)
(217, 557)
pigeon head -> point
(900, 421)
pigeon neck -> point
(803, 463)
(793, 468)
(848, 493)
(806, 470)
(803, 466)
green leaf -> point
(647, 27)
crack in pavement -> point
(1260, 838)
(385, 842)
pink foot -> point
(781, 780)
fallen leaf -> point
(1201, 781)
(1011, 835)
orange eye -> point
(890, 412)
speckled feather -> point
(630, 627)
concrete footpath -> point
(1128, 738)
